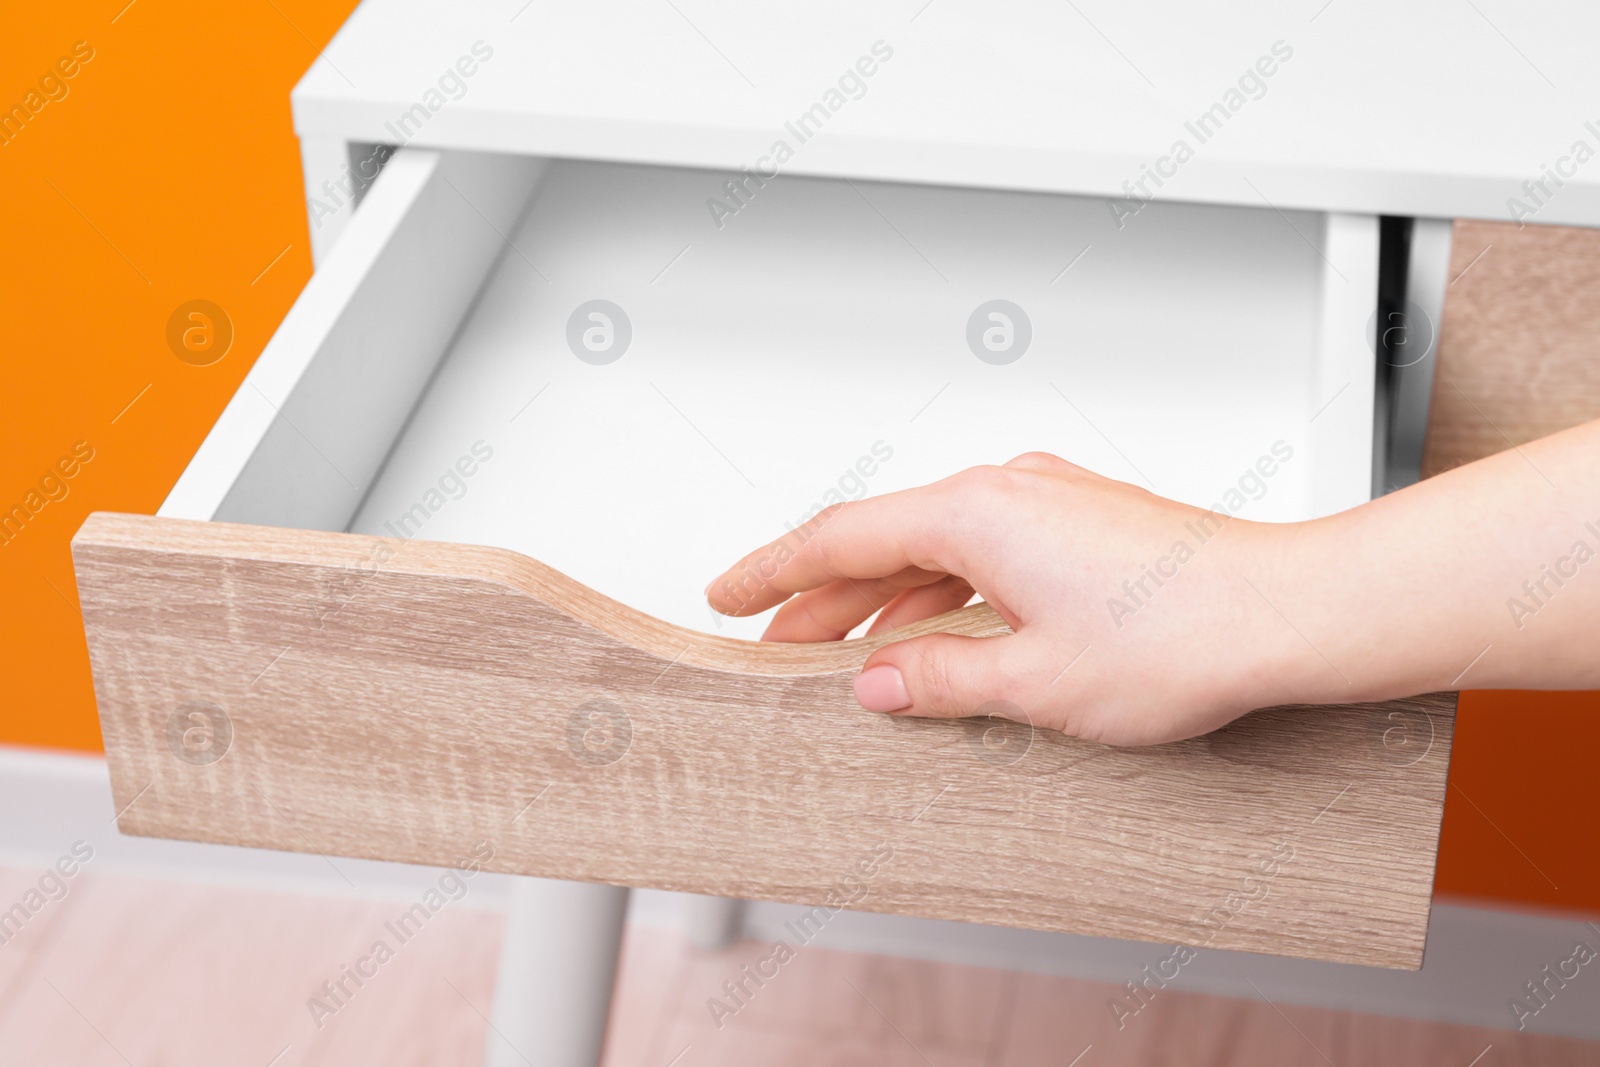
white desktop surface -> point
(1441, 110)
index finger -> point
(913, 529)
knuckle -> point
(931, 664)
(949, 679)
(818, 537)
(1037, 460)
(985, 481)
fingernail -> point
(882, 688)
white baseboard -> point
(1478, 959)
(48, 800)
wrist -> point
(1292, 645)
(1348, 608)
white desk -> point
(954, 153)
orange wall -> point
(170, 172)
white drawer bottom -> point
(815, 347)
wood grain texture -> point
(1519, 349)
(408, 700)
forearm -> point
(1487, 576)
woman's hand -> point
(1135, 619)
(1139, 620)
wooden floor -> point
(125, 971)
(847, 1008)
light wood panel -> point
(408, 700)
(1519, 348)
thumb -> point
(937, 675)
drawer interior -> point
(810, 347)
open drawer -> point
(574, 361)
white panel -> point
(324, 162)
(307, 431)
(1345, 369)
(1370, 107)
(338, 174)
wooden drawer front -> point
(281, 689)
